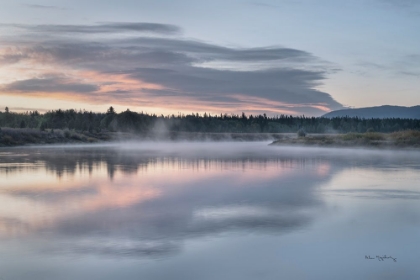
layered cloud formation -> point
(152, 65)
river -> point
(233, 210)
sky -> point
(294, 57)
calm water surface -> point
(208, 211)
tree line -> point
(139, 122)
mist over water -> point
(215, 210)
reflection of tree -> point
(200, 208)
(69, 161)
(203, 195)
(128, 217)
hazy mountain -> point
(385, 111)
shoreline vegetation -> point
(71, 126)
(403, 139)
(25, 136)
(409, 139)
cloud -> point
(213, 52)
(11, 58)
(49, 85)
(27, 109)
(111, 27)
(406, 65)
(37, 6)
(401, 3)
(409, 7)
(263, 5)
(409, 74)
(409, 66)
(174, 73)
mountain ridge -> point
(380, 112)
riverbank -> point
(401, 139)
(20, 137)
(25, 136)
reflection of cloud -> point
(379, 193)
(110, 197)
(162, 71)
(248, 218)
(187, 198)
(113, 248)
(48, 200)
(162, 195)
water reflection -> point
(117, 201)
(139, 202)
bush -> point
(409, 137)
(301, 133)
(351, 136)
(67, 133)
(76, 136)
(43, 126)
(8, 140)
(374, 136)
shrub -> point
(43, 126)
(75, 136)
(8, 140)
(301, 133)
(351, 136)
(67, 133)
(372, 136)
(409, 137)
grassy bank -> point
(401, 139)
(26, 136)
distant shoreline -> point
(10, 137)
(402, 139)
